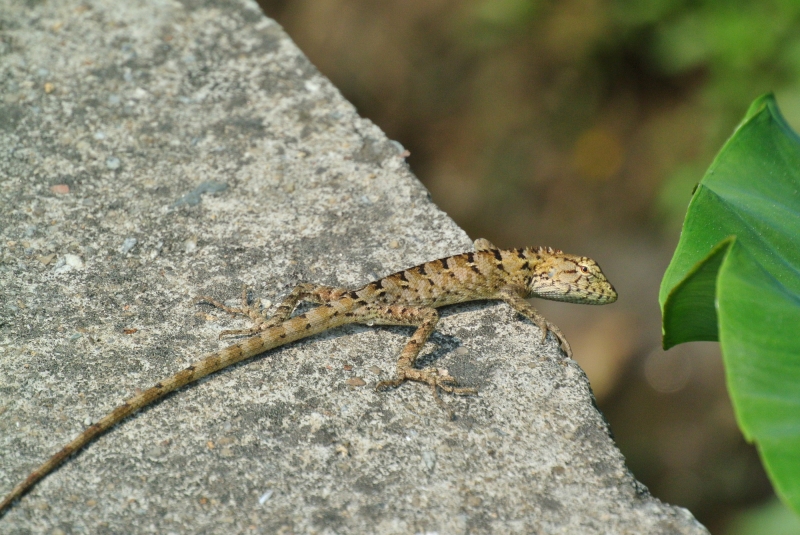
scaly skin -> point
(408, 297)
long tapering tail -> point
(289, 331)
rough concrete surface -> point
(153, 151)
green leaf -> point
(735, 277)
(692, 314)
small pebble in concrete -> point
(127, 245)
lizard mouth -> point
(606, 297)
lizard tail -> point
(287, 332)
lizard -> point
(410, 297)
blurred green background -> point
(584, 125)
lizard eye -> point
(584, 269)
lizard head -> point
(573, 279)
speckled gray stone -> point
(153, 151)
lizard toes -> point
(391, 383)
(446, 379)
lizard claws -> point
(547, 327)
(434, 377)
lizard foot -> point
(546, 327)
(248, 310)
(435, 377)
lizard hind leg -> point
(261, 321)
(252, 311)
(425, 319)
(305, 291)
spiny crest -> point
(547, 250)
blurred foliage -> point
(771, 518)
(739, 48)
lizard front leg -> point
(425, 319)
(514, 296)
